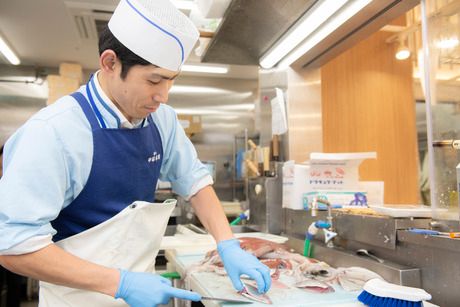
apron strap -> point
(83, 102)
(150, 120)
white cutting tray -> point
(405, 210)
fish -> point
(274, 255)
(315, 286)
(309, 274)
(276, 266)
(250, 292)
(319, 271)
(354, 278)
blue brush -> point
(379, 293)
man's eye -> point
(155, 81)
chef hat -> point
(155, 30)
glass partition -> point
(440, 58)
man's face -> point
(142, 90)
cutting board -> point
(211, 284)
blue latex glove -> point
(146, 289)
(238, 262)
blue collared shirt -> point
(48, 160)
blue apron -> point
(125, 168)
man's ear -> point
(108, 60)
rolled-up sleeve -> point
(181, 165)
(32, 189)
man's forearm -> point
(53, 264)
(211, 214)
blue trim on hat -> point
(160, 28)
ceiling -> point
(47, 32)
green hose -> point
(307, 248)
(235, 221)
(172, 275)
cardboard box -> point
(333, 175)
(295, 184)
(59, 86)
(71, 70)
(190, 123)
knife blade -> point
(226, 300)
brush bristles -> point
(376, 301)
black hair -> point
(127, 58)
(1, 150)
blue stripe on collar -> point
(94, 107)
(93, 86)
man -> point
(79, 175)
(11, 280)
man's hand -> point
(238, 262)
(145, 289)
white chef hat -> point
(155, 30)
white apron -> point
(130, 240)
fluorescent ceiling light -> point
(216, 126)
(205, 69)
(190, 89)
(447, 43)
(237, 107)
(220, 111)
(8, 53)
(184, 4)
(332, 24)
(304, 27)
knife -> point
(225, 300)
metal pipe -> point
(455, 144)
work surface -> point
(211, 284)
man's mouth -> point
(151, 108)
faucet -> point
(329, 234)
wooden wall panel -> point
(368, 105)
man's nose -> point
(162, 91)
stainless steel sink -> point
(171, 229)
(242, 229)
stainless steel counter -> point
(410, 259)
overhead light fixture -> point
(402, 53)
(205, 69)
(447, 43)
(8, 52)
(312, 19)
(191, 89)
(345, 13)
(184, 4)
